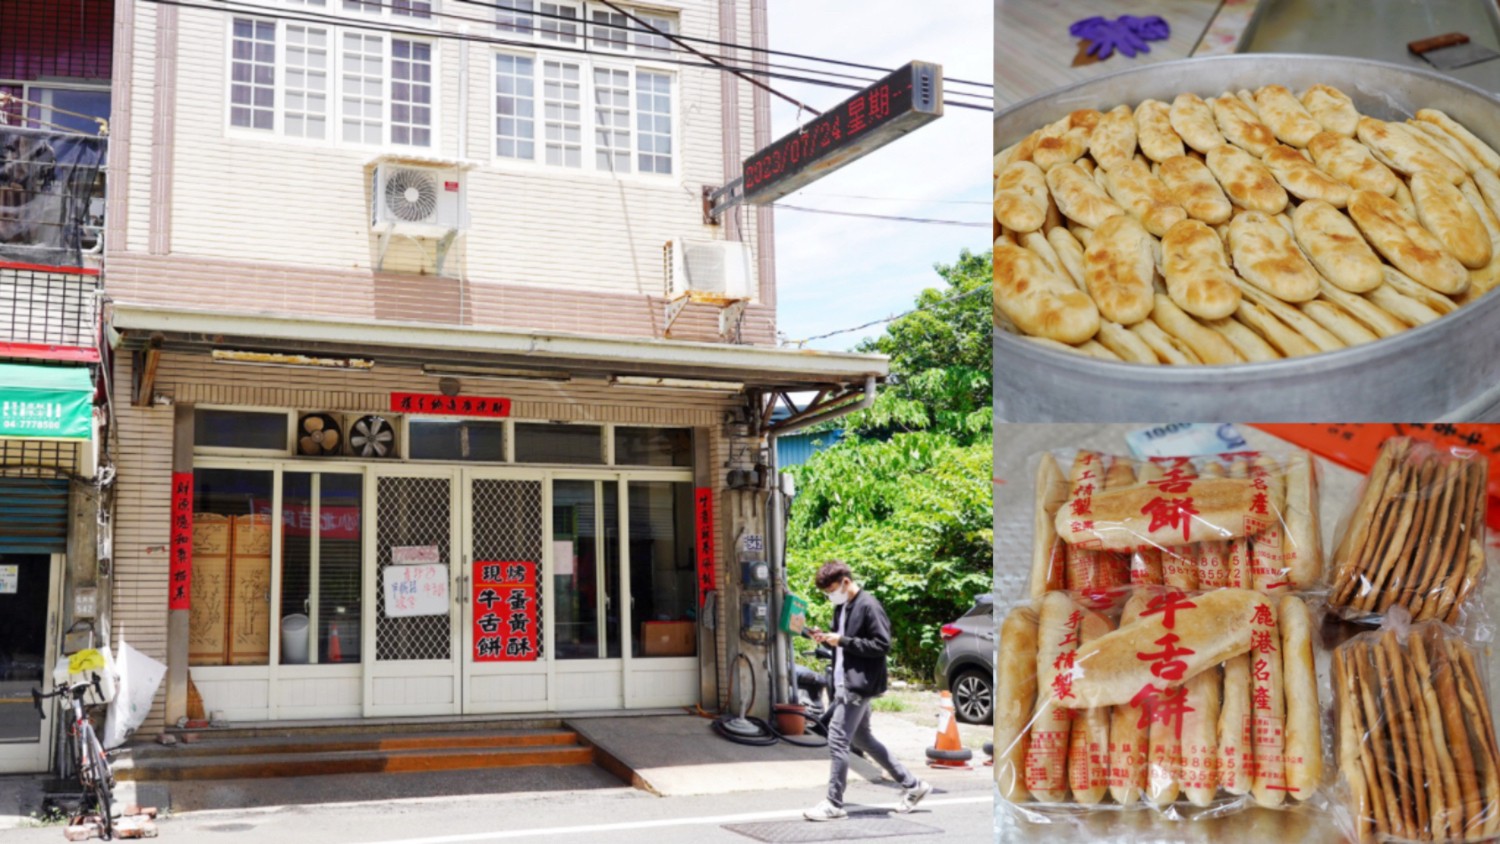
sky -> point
(839, 272)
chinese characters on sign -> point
(703, 539)
(505, 611)
(180, 571)
(1165, 705)
(909, 97)
(486, 406)
(415, 590)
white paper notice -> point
(562, 558)
(415, 590)
(10, 579)
(415, 555)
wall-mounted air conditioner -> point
(416, 200)
(718, 269)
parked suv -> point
(967, 664)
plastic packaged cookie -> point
(1416, 537)
(1188, 703)
(1239, 520)
(1416, 748)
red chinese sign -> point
(180, 571)
(1165, 705)
(492, 407)
(703, 537)
(506, 626)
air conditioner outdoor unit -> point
(416, 200)
(707, 271)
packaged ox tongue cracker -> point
(1235, 520)
(1193, 700)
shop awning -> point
(46, 402)
(426, 344)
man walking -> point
(861, 638)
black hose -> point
(766, 735)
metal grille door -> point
(507, 525)
(412, 512)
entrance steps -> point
(279, 751)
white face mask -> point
(838, 598)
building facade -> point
(435, 391)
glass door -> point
(589, 602)
(28, 593)
(503, 594)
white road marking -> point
(715, 820)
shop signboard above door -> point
(46, 402)
(491, 407)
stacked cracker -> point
(1417, 537)
(1185, 698)
(1248, 227)
(1415, 739)
(1093, 529)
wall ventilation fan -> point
(372, 436)
(318, 435)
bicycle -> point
(94, 773)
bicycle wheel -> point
(99, 779)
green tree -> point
(905, 497)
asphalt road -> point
(961, 812)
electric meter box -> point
(755, 574)
(755, 618)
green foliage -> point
(912, 516)
(940, 360)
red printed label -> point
(180, 570)
(506, 614)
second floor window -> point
(569, 113)
(291, 79)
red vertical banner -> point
(703, 533)
(506, 615)
(180, 571)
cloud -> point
(837, 272)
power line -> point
(395, 28)
(882, 216)
(893, 317)
(925, 201)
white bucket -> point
(294, 639)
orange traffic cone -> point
(948, 750)
(335, 648)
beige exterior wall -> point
(206, 192)
(144, 460)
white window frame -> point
(29, 93)
(334, 136)
(589, 149)
(508, 23)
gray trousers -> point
(850, 724)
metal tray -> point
(1448, 369)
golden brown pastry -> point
(1038, 300)
(1287, 118)
(1066, 140)
(1476, 147)
(1154, 132)
(1021, 197)
(1193, 120)
(1240, 125)
(1443, 210)
(1401, 151)
(1336, 247)
(1113, 140)
(1197, 273)
(1302, 178)
(1408, 246)
(1132, 185)
(1265, 256)
(1079, 197)
(1248, 183)
(1196, 189)
(1352, 163)
(1332, 109)
(1119, 266)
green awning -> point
(46, 402)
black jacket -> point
(866, 641)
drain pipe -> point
(783, 690)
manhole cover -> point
(230, 827)
(856, 828)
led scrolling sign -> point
(909, 97)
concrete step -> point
(372, 726)
(215, 744)
(316, 762)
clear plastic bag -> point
(1416, 537)
(1240, 520)
(1415, 741)
(1189, 703)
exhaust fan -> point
(372, 436)
(318, 435)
